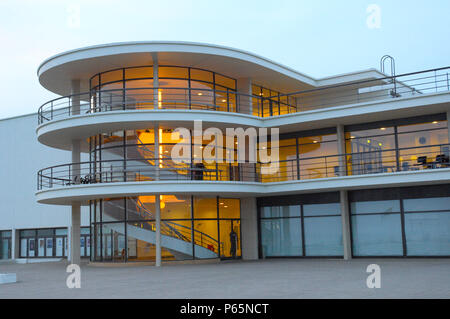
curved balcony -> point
(158, 99)
(411, 159)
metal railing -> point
(158, 98)
(357, 163)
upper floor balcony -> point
(260, 103)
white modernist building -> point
(363, 167)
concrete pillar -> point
(249, 228)
(244, 86)
(75, 90)
(345, 217)
(341, 150)
(158, 230)
(75, 234)
(15, 244)
(74, 237)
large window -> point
(307, 226)
(51, 242)
(398, 145)
(411, 221)
(191, 227)
(5, 244)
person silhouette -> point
(233, 243)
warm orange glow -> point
(159, 98)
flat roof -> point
(57, 72)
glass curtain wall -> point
(178, 87)
(402, 145)
(123, 229)
(303, 228)
(273, 102)
(401, 222)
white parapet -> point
(8, 278)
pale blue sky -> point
(319, 38)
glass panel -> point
(322, 209)
(229, 208)
(113, 210)
(112, 76)
(323, 236)
(206, 242)
(113, 243)
(84, 230)
(49, 247)
(377, 235)
(230, 238)
(59, 246)
(175, 207)
(428, 234)
(225, 81)
(426, 204)
(23, 248)
(5, 234)
(173, 72)
(201, 75)
(423, 138)
(61, 231)
(281, 211)
(136, 73)
(27, 233)
(205, 208)
(422, 126)
(41, 247)
(371, 132)
(382, 206)
(281, 237)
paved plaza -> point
(286, 278)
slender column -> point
(75, 234)
(75, 89)
(156, 152)
(155, 84)
(341, 149)
(158, 230)
(249, 228)
(15, 242)
(74, 238)
(345, 217)
(244, 86)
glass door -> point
(41, 247)
(59, 249)
(31, 247)
(230, 239)
(49, 247)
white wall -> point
(21, 156)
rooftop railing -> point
(379, 88)
(162, 169)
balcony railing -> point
(164, 169)
(405, 85)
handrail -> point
(429, 81)
(333, 165)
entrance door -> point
(5, 249)
(49, 247)
(59, 246)
(41, 247)
(230, 239)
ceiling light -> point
(435, 122)
(383, 129)
(199, 93)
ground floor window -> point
(124, 229)
(50, 242)
(412, 221)
(5, 244)
(305, 228)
